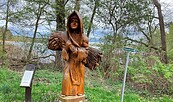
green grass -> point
(47, 88)
(9, 86)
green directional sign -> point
(129, 49)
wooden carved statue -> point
(76, 53)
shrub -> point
(156, 77)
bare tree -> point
(6, 25)
(162, 31)
(96, 4)
(38, 15)
(60, 26)
(118, 15)
(77, 5)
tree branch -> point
(42, 57)
(140, 42)
(66, 2)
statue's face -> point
(74, 23)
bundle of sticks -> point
(58, 39)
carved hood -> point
(79, 30)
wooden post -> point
(27, 81)
(28, 94)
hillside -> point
(47, 88)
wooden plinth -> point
(73, 99)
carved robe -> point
(75, 52)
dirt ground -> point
(15, 58)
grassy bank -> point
(47, 87)
(24, 39)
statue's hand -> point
(70, 46)
(55, 42)
(55, 35)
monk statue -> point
(76, 53)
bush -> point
(170, 55)
(156, 77)
(112, 53)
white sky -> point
(166, 3)
(167, 8)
